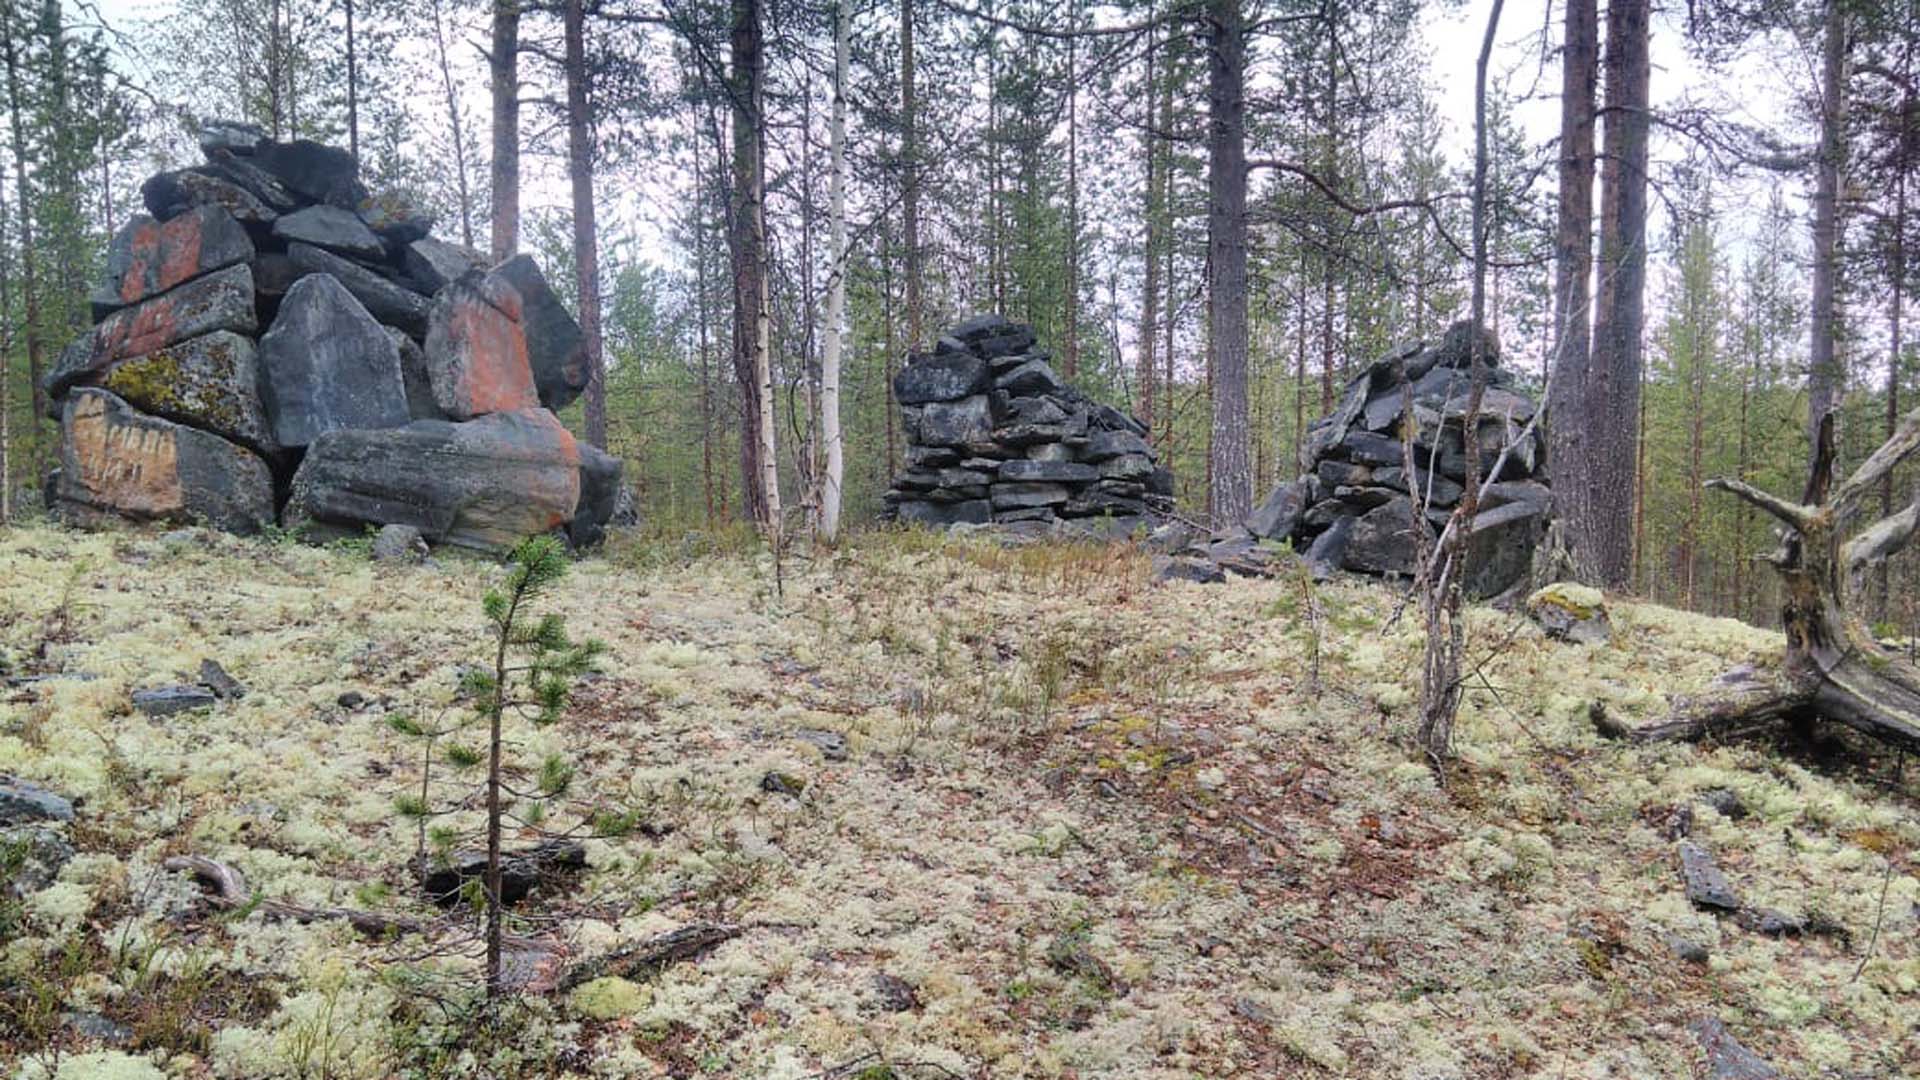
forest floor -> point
(1085, 826)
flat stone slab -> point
(492, 482)
(210, 382)
(148, 257)
(946, 376)
(115, 460)
(434, 264)
(21, 803)
(328, 366)
(1727, 1059)
(391, 303)
(168, 700)
(322, 173)
(332, 228)
(170, 194)
(222, 300)
(1707, 887)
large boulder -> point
(476, 349)
(170, 194)
(332, 228)
(390, 302)
(319, 172)
(115, 460)
(148, 257)
(328, 366)
(211, 382)
(222, 300)
(555, 346)
(434, 264)
(485, 484)
(951, 423)
(1386, 540)
(943, 376)
(599, 496)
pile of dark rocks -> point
(274, 343)
(1354, 505)
(994, 436)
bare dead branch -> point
(1793, 514)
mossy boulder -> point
(1571, 612)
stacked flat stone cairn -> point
(994, 436)
(275, 343)
(1353, 506)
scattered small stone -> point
(1726, 802)
(352, 699)
(780, 783)
(21, 802)
(894, 994)
(520, 870)
(1726, 1058)
(90, 1025)
(1692, 952)
(1572, 613)
(1069, 954)
(1187, 568)
(399, 544)
(1772, 922)
(832, 744)
(168, 700)
(1707, 887)
(224, 686)
(42, 852)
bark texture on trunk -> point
(503, 64)
(836, 288)
(910, 179)
(1832, 668)
(1823, 369)
(1144, 374)
(586, 245)
(1611, 394)
(1230, 468)
(747, 242)
(23, 202)
(1569, 428)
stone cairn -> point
(1352, 508)
(274, 343)
(994, 436)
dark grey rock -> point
(1016, 496)
(1279, 514)
(495, 481)
(1386, 540)
(951, 423)
(1008, 409)
(169, 194)
(328, 366)
(1430, 487)
(236, 136)
(224, 686)
(555, 346)
(413, 376)
(1706, 886)
(1126, 467)
(322, 173)
(545, 864)
(41, 854)
(894, 994)
(332, 228)
(1110, 444)
(1328, 551)
(1692, 952)
(1726, 1058)
(1062, 472)
(1032, 377)
(1108, 418)
(933, 457)
(222, 300)
(831, 744)
(1050, 452)
(779, 783)
(1726, 802)
(399, 544)
(1187, 568)
(23, 803)
(168, 700)
(210, 382)
(432, 264)
(116, 461)
(599, 496)
(1369, 449)
(240, 170)
(148, 257)
(1366, 498)
(920, 512)
(396, 218)
(947, 376)
(392, 304)
(1500, 547)
(1772, 922)
(1333, 474)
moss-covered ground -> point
(1086, 826)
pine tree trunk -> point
(504, 66)
(836, 287)
(1611, 394)
(1823, 371)
(1144, 373)
(1230, 487)
(6, 370)
(1896, 326)
(456, 131)
(910, 179)
(1573, 269)
(1070, 352)
(11, 41)
(586, 244)
(747, 228)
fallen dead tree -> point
(1832, 669)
